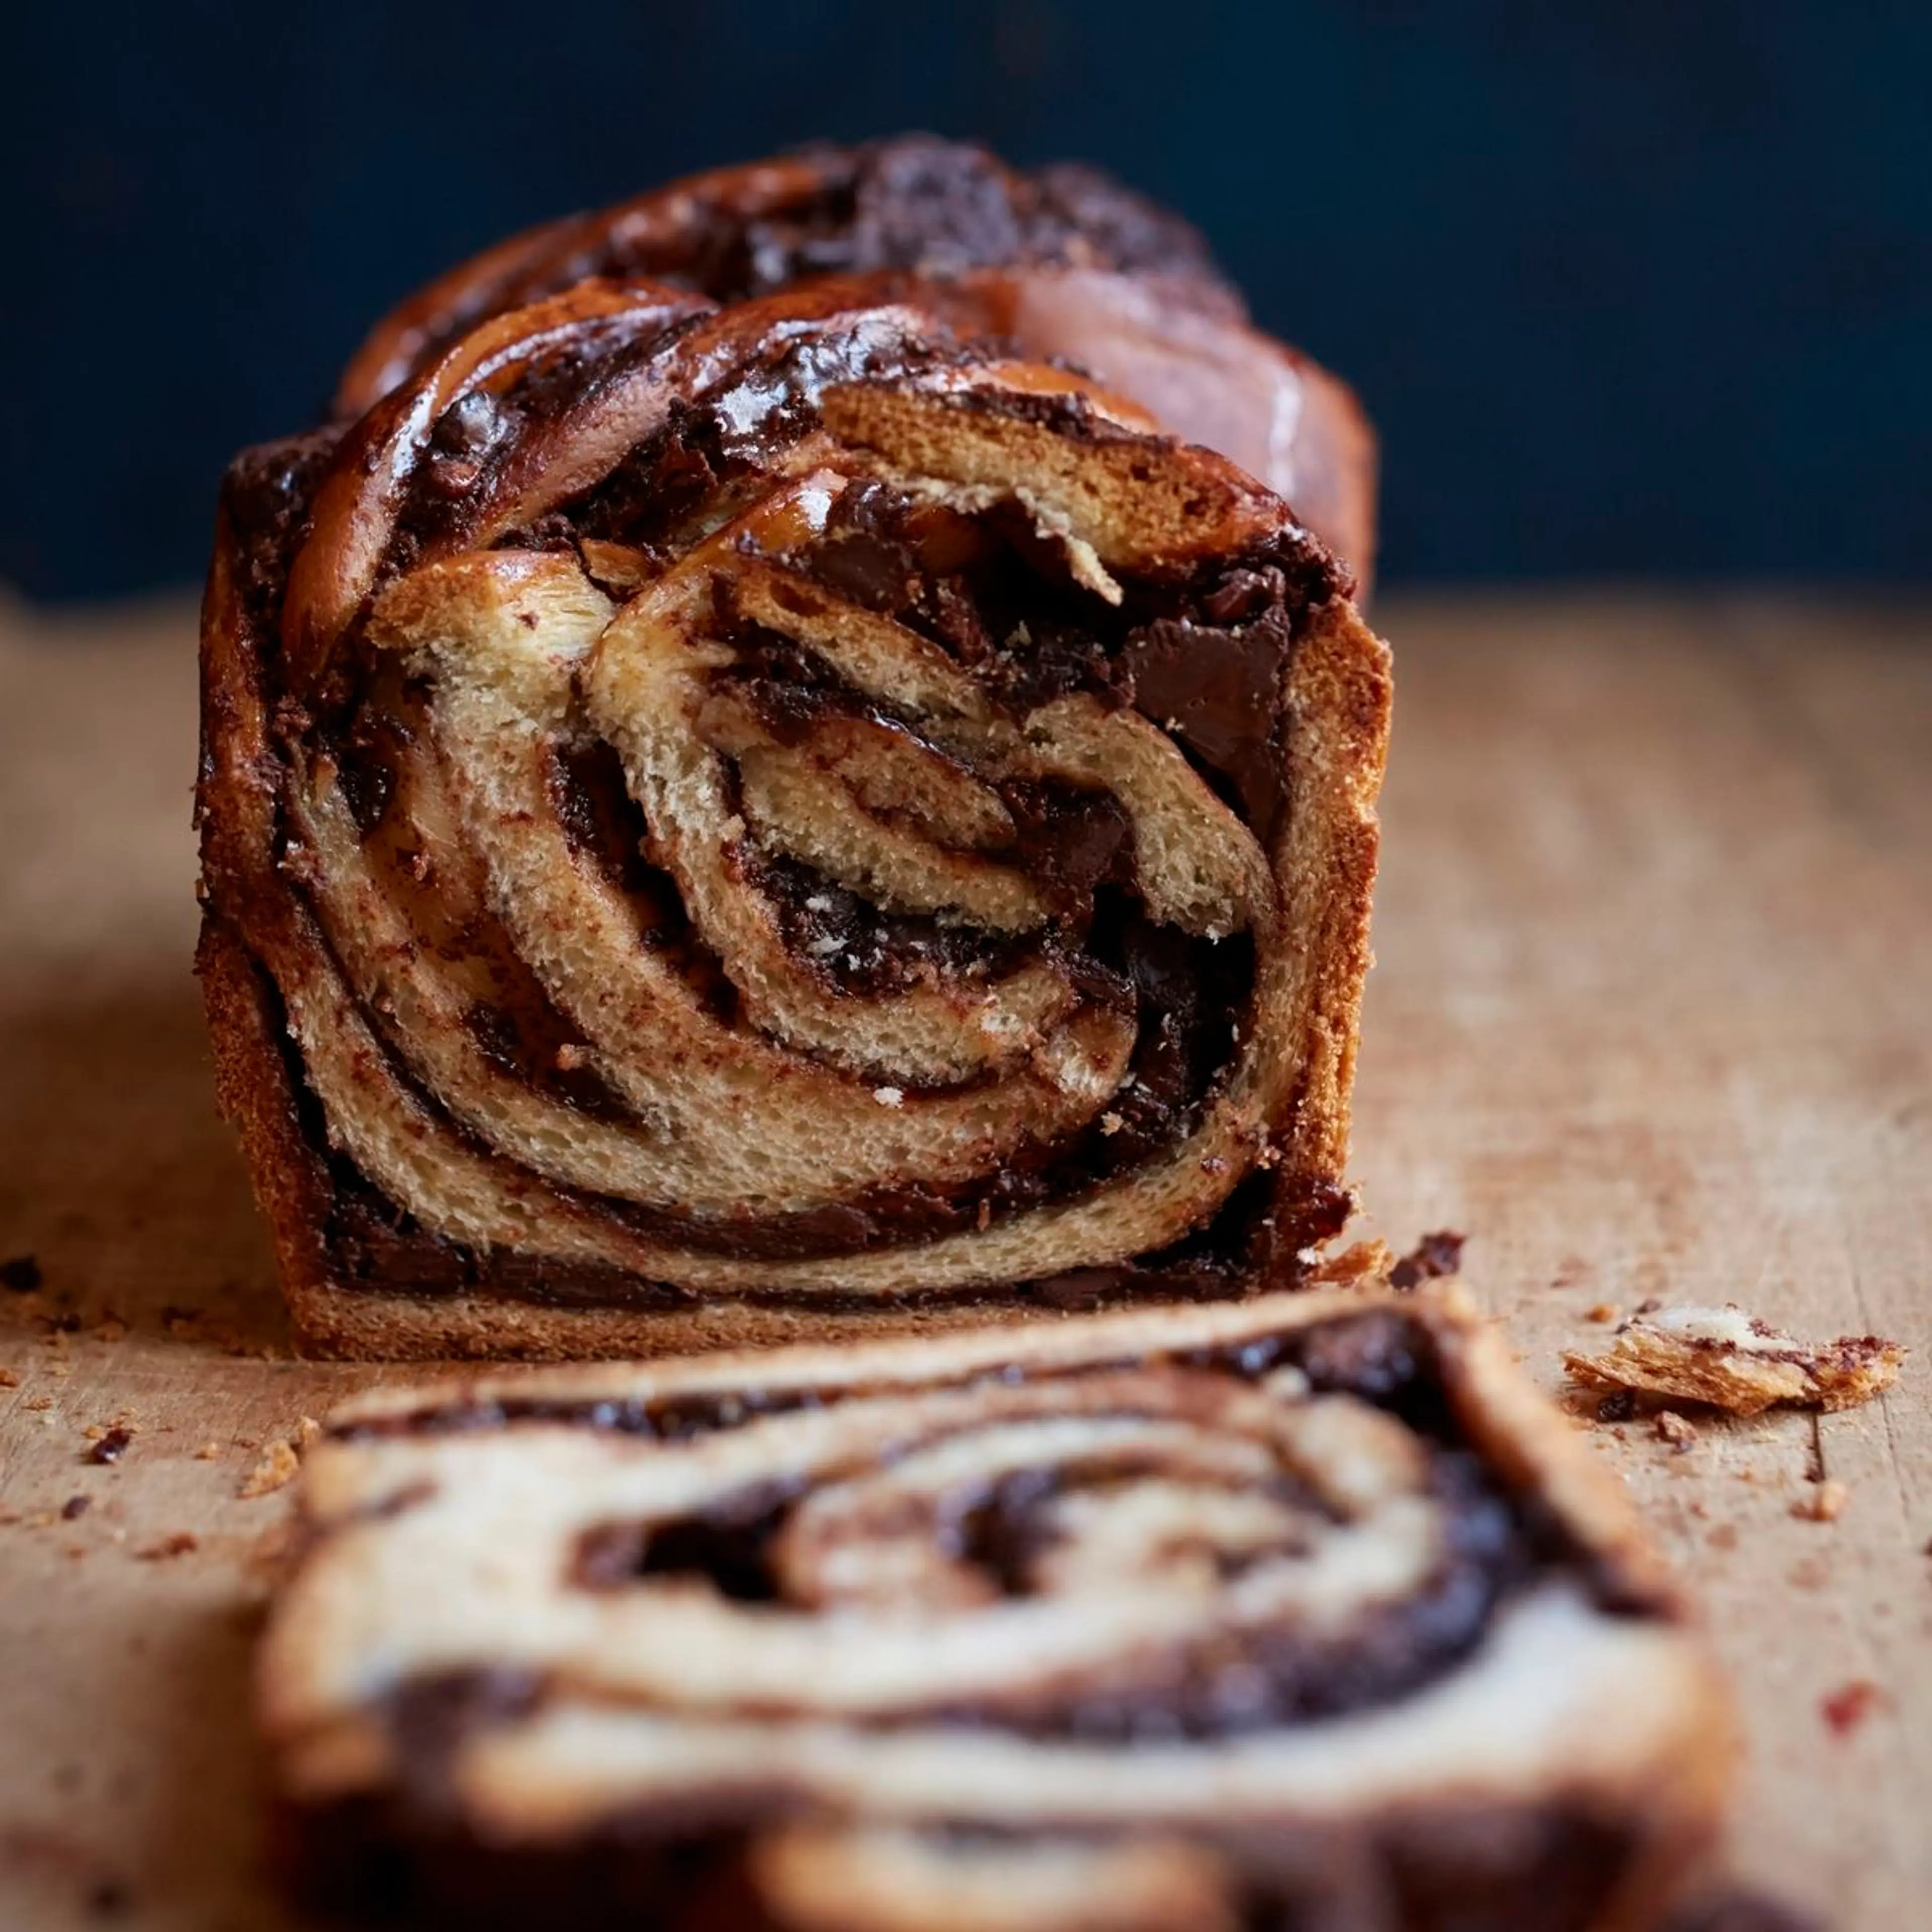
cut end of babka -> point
(716, 820)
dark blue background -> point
(1632, 286)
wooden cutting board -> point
(1654, 1017)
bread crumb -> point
(1606, 1312)
(109, 1444)
(8, 1379)
(1825, 1502)
(888, 1096)
(276, 1466)
(179, 1544)
(1846, 1708)
(1732, 1360)
(1675, 1429)
(1111, 1123)
(1433, 1257)
(207, 1452)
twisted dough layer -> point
(767, 803)
(944, 208)
(1064, 262)
(1173, 1619)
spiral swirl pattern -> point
(1005, 1618)
(728, 802)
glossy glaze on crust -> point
(917, 203)
(1309, 1611)
(1063, 263)
(770, 807)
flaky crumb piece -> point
(1822, 1501)
(1732, 1360)
(1675, 1429)
(1434, 1256)
(277, 1466)
(111, 1442)
(1364, 1264)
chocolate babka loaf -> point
(722, 825)
(740, 823)
(1064, 263)
(1304, 1613)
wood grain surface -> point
(1653, 1018)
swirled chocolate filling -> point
(616, 737)
(999, 1536)
(1215, 686)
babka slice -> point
(722, 825)
(1063, 262)
(1307, 1612)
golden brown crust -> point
(1340, 698)
(356, 1323)
(1210, 378)
(254, 1093)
